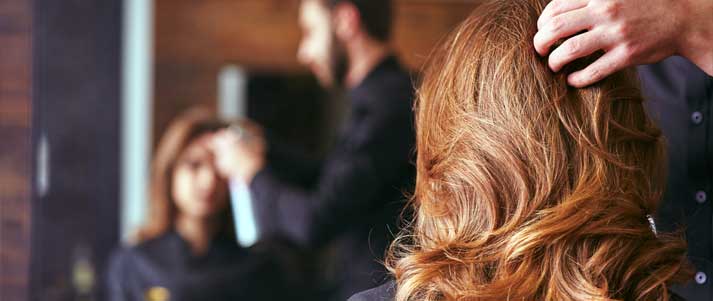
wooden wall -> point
(15, 147)
(195, 38)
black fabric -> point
(348, 214)
(385, 292)
(680, 99)
(225, 272)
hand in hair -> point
(631, 32)
(240, 156)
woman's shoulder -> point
(121, 262)
(129, 253)
(386, 292)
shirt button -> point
(697, 117)
(701, 197)
(701, 278)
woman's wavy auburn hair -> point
(182, 131)
(528, 189)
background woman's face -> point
(198, 190)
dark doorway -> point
(76, 58)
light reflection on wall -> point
(136, 110)
(232, 105)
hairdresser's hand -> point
(631, 32)
(240, 155)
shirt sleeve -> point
(116, 275)
(374, 154)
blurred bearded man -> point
(345, 217)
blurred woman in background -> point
(187, 248)
(528, 189)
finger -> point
(558, 7)
(222, 135)
(224, 141)
(574, 48)
(609, 63)
(561, 27)
(215, 140)
(253, 128)
(230, 136)
(218, 139)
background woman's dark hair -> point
(180, 133)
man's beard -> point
(338, 63)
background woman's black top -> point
(164, 269)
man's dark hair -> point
(376, 16)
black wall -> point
(76, 76)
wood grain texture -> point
(15, 147)
(195, 38)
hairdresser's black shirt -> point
(680, 99)
(164, 269)
(387, 292)
(358, 190)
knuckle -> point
(610, 9)
(628, 52)
(556, 24)
(622, 31)
(573, 47)
(594, 74)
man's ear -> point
(346, 20)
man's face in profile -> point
(319, 49)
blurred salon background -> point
(88, 88)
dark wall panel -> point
(76, 94)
